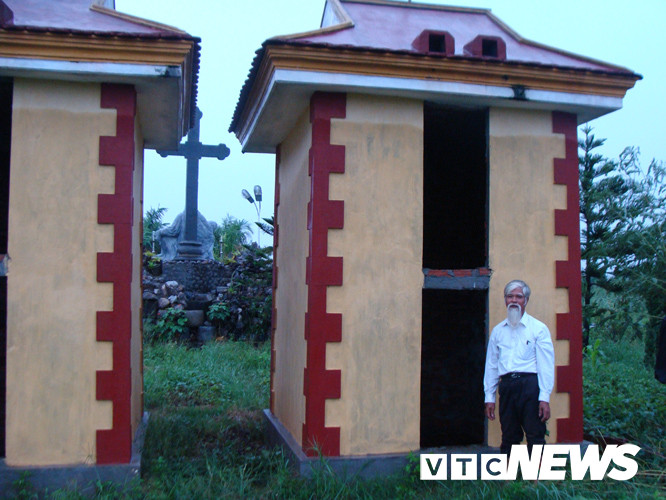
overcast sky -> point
(620, 32)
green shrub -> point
(152, 263)
(230, 238)
(171, 326)
(622, 398)
(219, 313)
(246, 308)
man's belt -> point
(514, 375)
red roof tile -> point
(393, 26)
(401, 31)
(77, 16)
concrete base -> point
(190, 250)
(80, 477)
(364, 466)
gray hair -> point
(517, 283)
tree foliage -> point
(152, 221)
(623, 256)
(268, 225)
(230, 236)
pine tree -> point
(623, 224)
(603, 192)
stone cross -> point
(193, 151)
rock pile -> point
(241, 294)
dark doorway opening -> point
(455, 188)
(455, 260)
(453, 353)
(5, 143)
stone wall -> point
(239, 293)
(200, 276)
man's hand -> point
(544, 410)
(490, 411)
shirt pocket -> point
(527, 350)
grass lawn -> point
(205, 436)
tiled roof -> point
(78, 16)
(91, 18)
(394, 26)
(449, 54)
(389, 27)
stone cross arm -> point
(195, 151)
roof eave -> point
(164, 72)
(587, 93)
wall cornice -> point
(456, 69)
(94, 48)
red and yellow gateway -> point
(426, 155)
(83, 89)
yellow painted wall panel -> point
(291, 293)
(136, 352)
(381, 244)
(522, 241)
(52, 353)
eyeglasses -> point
(512, 296)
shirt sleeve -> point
(545, 361)
(491, 375)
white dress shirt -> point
(525, 348)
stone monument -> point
(171, 237)
(189, 241)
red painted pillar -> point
(568, 275)
(322, 271)
(115, 445)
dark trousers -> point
(519, 411)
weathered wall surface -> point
(380, 299)
(136, 350)
(53, 293)
(381, 293)
(291, 292)
(522, 241)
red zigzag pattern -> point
(115, 445)
(322, 271)
(568, 275)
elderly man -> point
(521, 360)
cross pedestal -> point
(193, 151)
